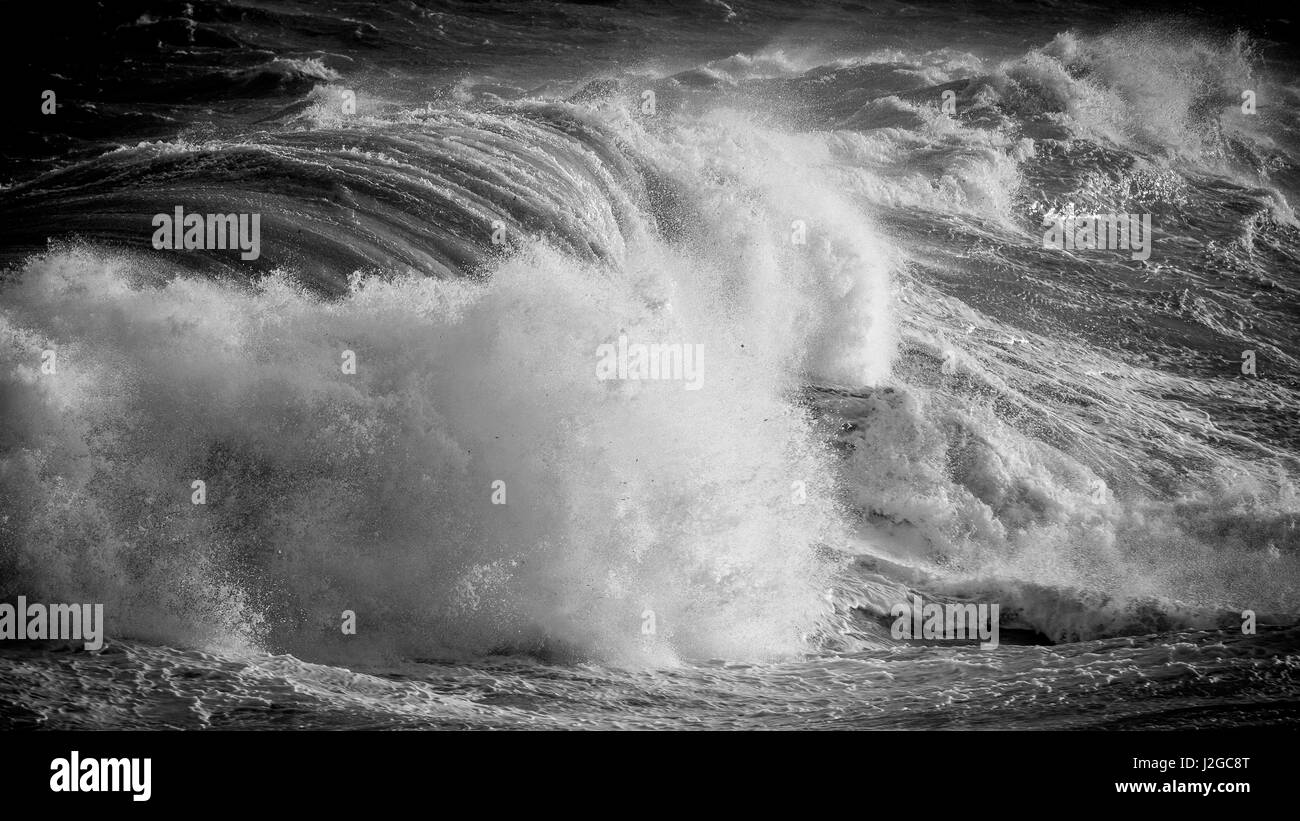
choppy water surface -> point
(920, 399)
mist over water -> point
(903, 392)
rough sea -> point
(903, 393)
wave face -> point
(902, 392)
(372, 492)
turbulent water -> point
(903, 392)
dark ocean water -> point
(904, 392)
